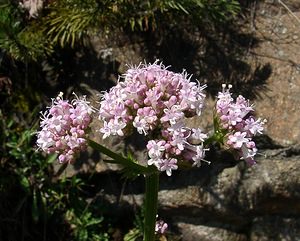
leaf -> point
(25, 184)
(133, 235)
(94, 221)
(132, 23)
(83, 235)
(34, 208)
(128, 164)
(51, 158)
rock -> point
(220, 201)
(228, 200)
(275, 228)
(272, 187)
(280, 103)
(238, 193)
(192, 232)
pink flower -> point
(237, 139)
(161, 227)
(172, 115)
(236, 118)
(224, 100)
(155, 102)
(198, 135)
(64, 127)
(156, 149)
(167, 165)
(254, 126)
(248, 151)
(196, 154)
(179, 140)
(145, 120)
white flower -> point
(197, 134)
(33, 6)
(172, 115)
(168, 165)
(105, 130)
(116, 127)
(237, 139)
(200, 154)
(179, 140)
(156, 149)
(254, 126)
(141, 125)
(45, 139)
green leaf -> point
(25, 184)
(51, 158)
(83, 235)
(132, 23)
(35, 209)
(127, 163)
(133, 235)
(94, 221)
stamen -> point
(208, 162)
(261, 154)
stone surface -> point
(237, 194)
(192, 232)
(226, 200)
(223, 203)
(275, 228)
(278, 33)
(273, 60)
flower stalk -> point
(151, 187)
(151, 197)
(156, 103)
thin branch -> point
(289, 10)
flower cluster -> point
(160, 227)
(236, 116)
(156, 101)
(64, 127)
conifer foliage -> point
(30, 29)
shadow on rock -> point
(213, 54)
(81, 70)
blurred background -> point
(82, 46)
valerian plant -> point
(155, 102)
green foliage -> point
(199, 11)
(32, 194)
(84, 226)
(136, 233)
(152, 14)
(21, 168)
(68, 22)
(22, 40)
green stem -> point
(151, 197)
(151, 183)
(119, 159)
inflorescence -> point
(156, 102)
(64, 127)
(237, 118)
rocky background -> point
(226, 200)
